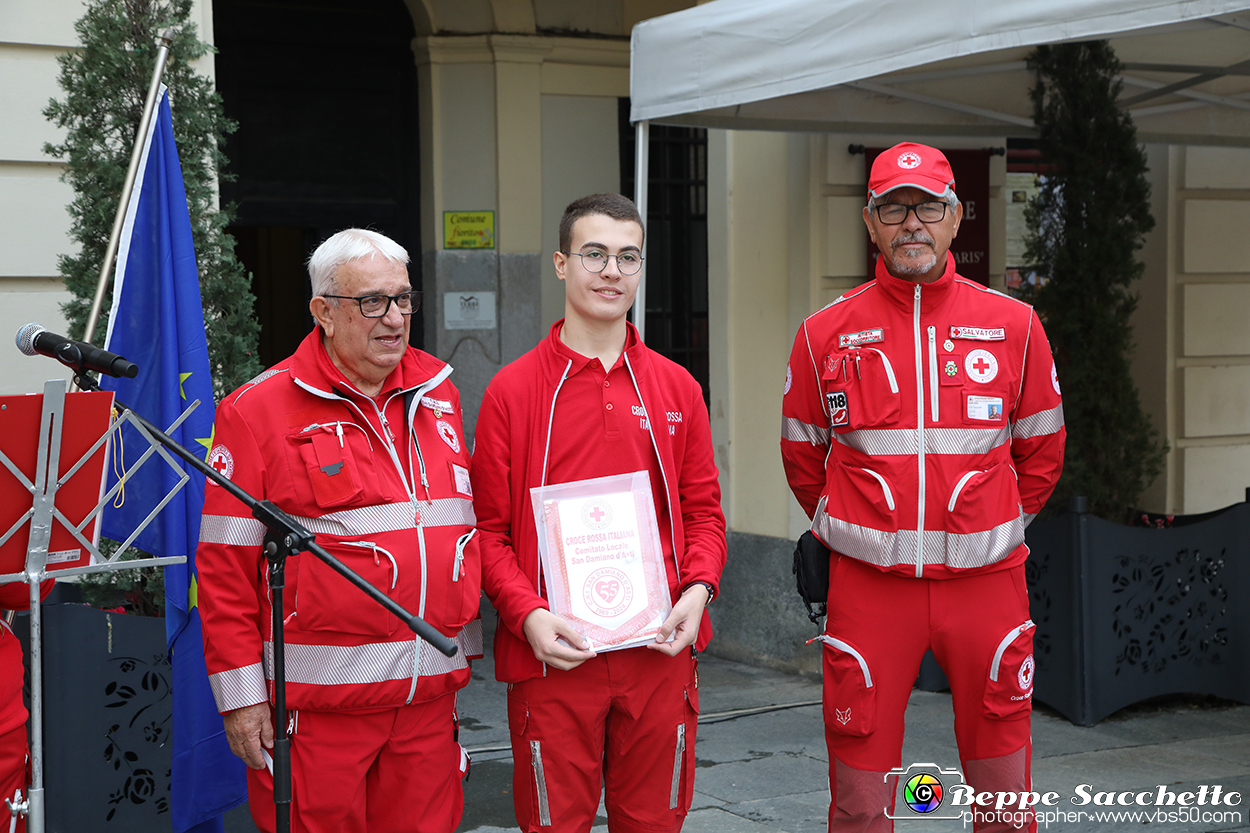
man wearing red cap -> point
(922, 431)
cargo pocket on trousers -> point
(1009, 689)
(682, 793)
(850, 703)
(518, 726)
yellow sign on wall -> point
(468, 229)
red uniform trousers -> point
(624, 720)
(878, 629)
(380, 771)
(12, 775)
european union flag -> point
(157, 321)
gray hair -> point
(346, 246)
(949, 198)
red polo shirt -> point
(599, 429)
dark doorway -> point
(676, 240)
(325, 94)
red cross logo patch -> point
(981, 366)
(909, 159)
(222, 461)
(448, 434)
(1025, 675)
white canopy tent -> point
(952, 67)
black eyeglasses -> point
(377, 306)
(596, 261)
(895, 213)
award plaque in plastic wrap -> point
(602, 559)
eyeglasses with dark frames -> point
(377, 306)
(895, 213)
(595, 260)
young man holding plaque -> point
(589, 402)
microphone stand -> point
(285, 536)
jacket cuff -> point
(239, 688)
(516, 623)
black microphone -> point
(79, 355)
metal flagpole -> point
(642, 170)
(149, 106)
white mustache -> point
(913, 237)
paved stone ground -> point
(765, 771)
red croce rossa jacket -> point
(922, 425)
(510, 441)
(387, 493)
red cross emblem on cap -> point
(909, 159)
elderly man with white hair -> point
(357, 435)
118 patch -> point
(839, 411)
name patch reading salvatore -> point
(979, 333)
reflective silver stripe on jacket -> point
(377, 662)
(448, 511)
(1038, 425)
(887, 549)
(798, 431)
(392, 517)
(231, 531)
(879, 442)
(364, 520)
(239, 687)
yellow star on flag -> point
(182, 377)
(193, 594)
(207, 442)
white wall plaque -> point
(469, 310)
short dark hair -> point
(616, 206)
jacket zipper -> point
(959, 487)
(919, 433)
(461, 543)
(885, 488)
(933, 373)
(885, 361)
(1004, 645)
(677, 760)
(672, 524)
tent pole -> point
(642, 147)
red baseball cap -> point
(909, 165)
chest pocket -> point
(330, 465)
(861, 389)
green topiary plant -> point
(1085, 226)
(105, 82)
